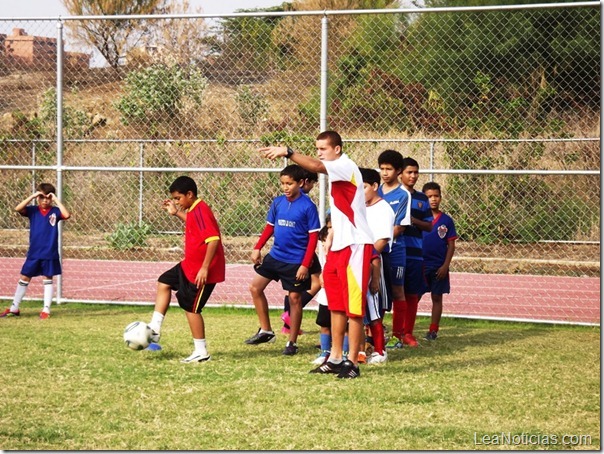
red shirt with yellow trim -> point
(202, 228)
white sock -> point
(200, 346)
(156, 320)
(267, 332)
(48, 289)
(19, 294)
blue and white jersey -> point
(420, 209)
(293, 221)
(435, 242)
(399, 200)
(43, 232)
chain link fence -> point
(499, 105)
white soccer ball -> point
(137, 335)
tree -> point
(112, 38)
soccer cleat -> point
(349, 370)
(323, 356)
(154, 347)
(290, 349)
(394, 342)
(327, 368)
(154, 336)
(44, 315)
(196, 358)
(8, 313)
(260, 338)
(376, 358)
(431, 335)
(361, 358)
(410, 340)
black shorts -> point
(323, 317)
(276, 270)
(190, 298)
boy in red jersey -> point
(203, 266)
(349, 245)
(43, 253)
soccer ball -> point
(137, 335)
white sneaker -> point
(196, 358)
(376, 358)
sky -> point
(53, 8)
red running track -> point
(497, 296)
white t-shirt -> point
(347, 204)
(381, 221)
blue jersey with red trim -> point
(399, 200)
(435, 242)
(420, 209)
(43, 232)
(293, 221)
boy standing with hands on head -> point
(293, 219)
(195, 277)
(438, 249)
(350, 246)
(43, 254)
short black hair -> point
(46, 188)
(183, 185)
(392, 157)
(310, 176)
(294, 171)
(410, 162)
(431, 186)
(370, 176)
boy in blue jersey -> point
(43, 253)
(438, 250)
(293, 220)
(392, 191)
(414, 273)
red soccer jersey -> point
(201, 228)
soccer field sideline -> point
(473, 295)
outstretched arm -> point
(306, 162)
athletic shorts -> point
(386, 287)
(346, 279)
(190, 298)
(39, 267)
(323, 317)
(436, 286)
(415, 282)
(315, 266)
(275, 270)
(397, 275)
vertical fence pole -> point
(431, 160)
(59, 193)
(140, 184)
(33, 171)
(323, 112)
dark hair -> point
(310, 176)
(370, 176)
(392, 157)
(431, 186)
(332, 137)
(183, 185)
(325, 229)
(46, 188)
(410, 162)
(294, 171)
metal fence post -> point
(59, 193)
(323, 111)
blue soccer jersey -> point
(43, 232)
(293, 221)
(420, 209)
(436, 241)
(399, 200)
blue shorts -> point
(415, 283)
(276, 270)
(397, 275)
(39, 267)
(436, 286)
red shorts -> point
(346, 279)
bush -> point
(129, 236)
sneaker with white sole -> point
(196, 358)
(376, 358)
(260, 338)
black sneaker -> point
(290, 349)
(327, 368)
(349, 370)
(260, 338)
(431, 336)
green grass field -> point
(69, 383)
